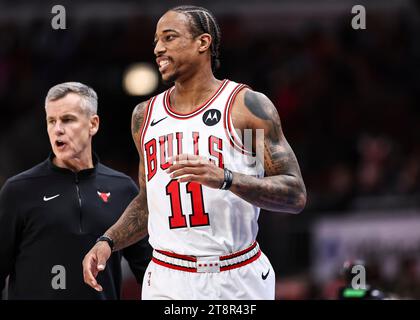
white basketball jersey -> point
(190, 218)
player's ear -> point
(205, 40)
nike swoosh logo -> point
(50, 198)
(156, 122)
(264, 276)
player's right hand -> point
(94, 262)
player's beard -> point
(171, 79)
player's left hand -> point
(188, 167)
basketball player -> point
(203, 195)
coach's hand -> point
(187, 168)
(94, 262)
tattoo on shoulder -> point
(261, 107)
(138, 116)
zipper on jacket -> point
(80, 202)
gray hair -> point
(89, 98)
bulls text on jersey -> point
(159, 151)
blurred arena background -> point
(348, 100)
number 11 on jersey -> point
(198, 217)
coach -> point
(52, 214)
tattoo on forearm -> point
(283, 188)
(277, 193)
(132, 225)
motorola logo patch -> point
(211, 117)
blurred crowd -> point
(349, 104)
(348, 100)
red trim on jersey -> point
(170, 111)
(146, 121)
(178, 256)
(227, 120)
(239, 253)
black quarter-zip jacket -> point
(50, 216)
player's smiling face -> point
(70, 129)
(176, 49)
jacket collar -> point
(81, 173)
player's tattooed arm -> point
(283, 188)
(132, 225)
(137, 119)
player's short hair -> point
(203, 21)
(89, 98)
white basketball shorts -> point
(244, 275)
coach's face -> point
(176, 49)
(70, 129)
